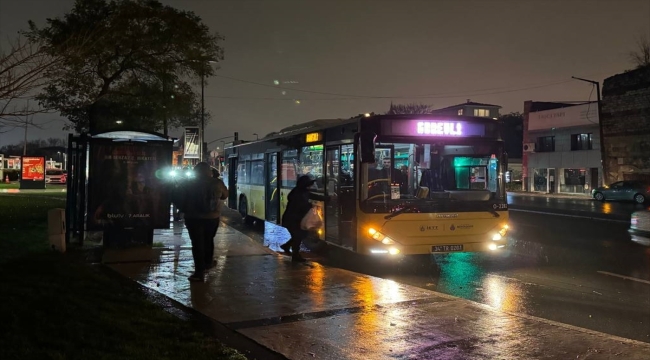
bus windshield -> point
(434, 178)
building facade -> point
(470, 108)
(561, 148)
(626, 126)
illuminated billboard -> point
(33, 169)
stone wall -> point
(626, 125)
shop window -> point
(581, 142)
(545, 144)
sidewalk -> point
(554, 195)
(550, 195)
(308, 311)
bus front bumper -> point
(485, 246)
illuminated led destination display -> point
(435, 128)
(439, 128)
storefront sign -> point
(127, 184)
(33, 169)
(577, 115)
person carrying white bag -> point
(300, 217)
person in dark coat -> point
(297, 207)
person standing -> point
(202, 208)
(222, 185)
(298, 206)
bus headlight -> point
(380, 237)
(501, 233)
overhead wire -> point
(348, 97)
(444, 95)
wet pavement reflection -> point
(580, 206)
(307, 311)
(553, 268)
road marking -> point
(571, 216)
(624, 277)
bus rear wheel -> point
(243, 207)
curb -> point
(224, 334)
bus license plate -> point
(446, 248)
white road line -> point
(624, 277)
(569, 215)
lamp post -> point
(603, 162)
(203, 110)
(257, 137)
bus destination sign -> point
(445, 128)
(441, 128)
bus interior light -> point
(492, 247)
(393, 251)
(376, 251)
(496, 237)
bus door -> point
(272, 195)
(340, 208)
(232, 183)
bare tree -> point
(22, 70)
(413, 108)
(641, 55)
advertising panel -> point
(32, 172)
(127, 186)
(191, 148)
(33, 169)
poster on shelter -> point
(127, 186)
(191, 145)
(33, 169)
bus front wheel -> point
(243, 207)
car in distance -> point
(636, 191)
(55, 176)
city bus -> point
(395, 184)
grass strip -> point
(54, 306)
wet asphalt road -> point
(571, 269)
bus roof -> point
(311, 126)
(320, 124)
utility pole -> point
(202, 114)
(603, 162)
(164, 94)
(26, 121)
(25, 140)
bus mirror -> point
(367, 147)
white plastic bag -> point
(311, 221)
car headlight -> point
(380, 237)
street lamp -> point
(203, 109)
(603, 161)
(257, 137)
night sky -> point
(354, 56)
